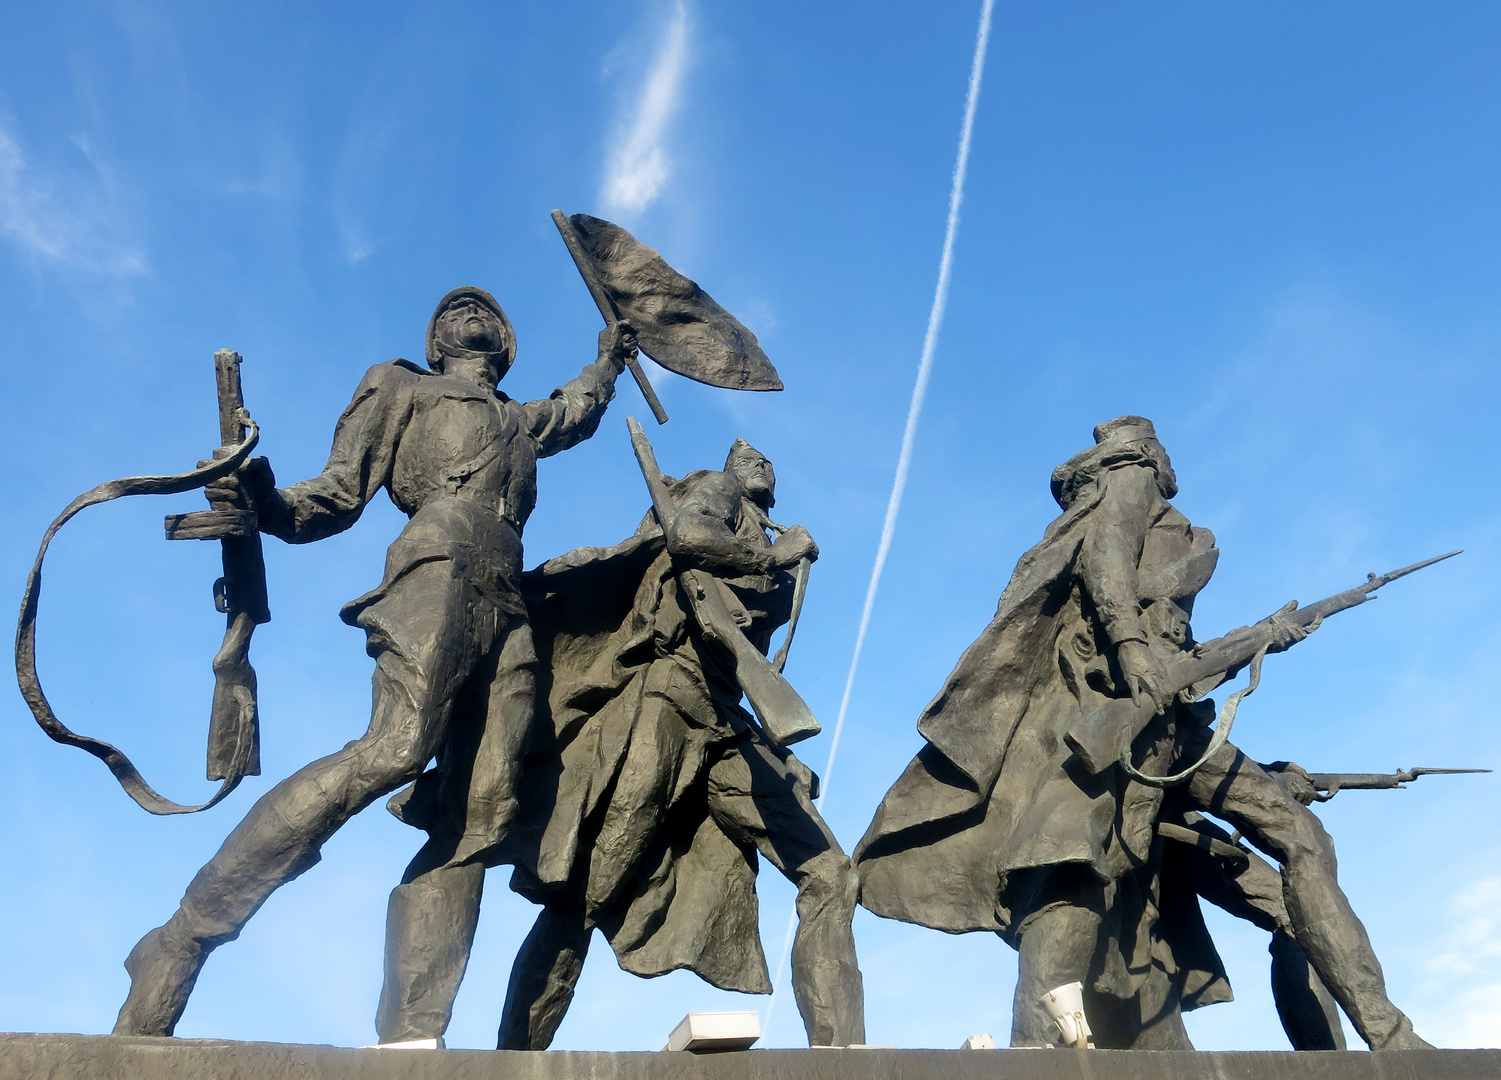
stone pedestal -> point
(105, 1057)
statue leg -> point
(483, 791)
(1308, 1012)
(544, 976)
(419, 666)
(756, 797)
(1309, 1015)
(1154, 1021)
(430, 924)
(1234, 788)
(279, 839)
(1057, 945)
(433, 913)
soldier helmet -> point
(1124, 429)
(437, 348)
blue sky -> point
(1271, 227)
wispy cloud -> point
(74, 222)
(638, 162)
(1464, 984)
(357, 184)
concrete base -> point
(107, 1057)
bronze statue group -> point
(583, 724)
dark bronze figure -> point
(650, 789)
(1200, 858)
(1022, 816)
(447, 626)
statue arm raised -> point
(573, 412)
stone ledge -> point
(106, 1057)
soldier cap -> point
(1124, 439)
(741, 450)
(1125, 429)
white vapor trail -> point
(638, 165)
(73, 224)
(909, 435)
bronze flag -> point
(677, 324)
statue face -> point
(756, 477)
(471, 325)
(1167, 479)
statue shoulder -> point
(395, 373)
(704, 484)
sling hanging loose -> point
(124, 771)
(1221, 734)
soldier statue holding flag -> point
(446, 626)
(455, 665)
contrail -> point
(909, 435)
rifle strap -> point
(799, 589)
(126, 773)
(1218, 739)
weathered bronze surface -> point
(650, 790)
(1028, 815)
(447, 626)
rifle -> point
(1328, 785)
(799, 594)
(234, 740)
(234, 744)
(1104, 736)
(784, 716)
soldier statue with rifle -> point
(1199, 859)
(1032, 811)
(446, 627)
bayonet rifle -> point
(1328, 785)
(1103, 736)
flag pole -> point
(606, 306)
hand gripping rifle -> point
(799, 594)
(784, 716)
(1328, 785)
(1103, 737)
(234, 732)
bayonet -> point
(799, 594)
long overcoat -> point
(994, 791)
(634, 708)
